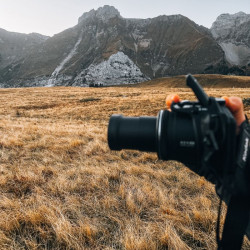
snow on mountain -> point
(118, 69)
(55, 73)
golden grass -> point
(62, 188)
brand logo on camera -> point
(244, 158)
(187, 144)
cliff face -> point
(106, 48)
(232, 32)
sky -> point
(49, 17)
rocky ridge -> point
(14, 48)
(105, 48)
(232, 32)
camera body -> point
(201, 137)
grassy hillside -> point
(62, 188)
(209, 81)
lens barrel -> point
(174, 136)
(132, 133)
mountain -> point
(232, 32)
(105, 48)
(14, 47)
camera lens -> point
(174, 136)
(132, 133)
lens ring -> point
(159, 132)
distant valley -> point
(106, 49)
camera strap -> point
(236, 222)
(238, 213)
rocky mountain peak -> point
(230, 31)
(103, 13)
(224, 23)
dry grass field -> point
(62, 188)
